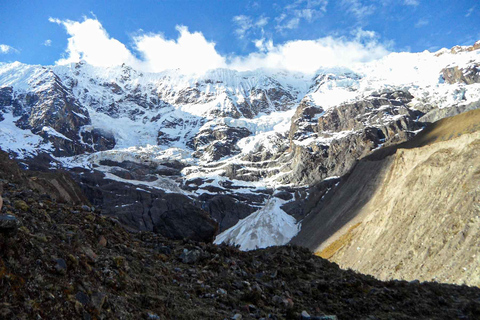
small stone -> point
(21, 205)
(164, 249)
(305, 315)
(61, 266)
(86, 208)
(78, 307)
(190, 256)
(98, 300)
(237, 316)
(82, 298)
(119, 261)
(90, 254)
(73, 259)
(102, 241)
(277, 300)
(288, 303)
(8, 224)
(221, 292)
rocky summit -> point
(64, 260)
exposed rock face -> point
(411, 215)
(218, 142)
(51, 111)
(349, 131)
(468, 75)
(228, 210)
(149, 209)
(58, 185)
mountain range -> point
(248, 158)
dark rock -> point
(82, 298)
(284, 195)
(218, 142)
(375, 122)
(21, 205)
(190, 256)
(173, 215)
(8, 224)
(98, 300)
(60, 266)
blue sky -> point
(230, 32)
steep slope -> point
(64, 261)
(410, 211)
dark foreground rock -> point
(69, 262)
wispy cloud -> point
(470, 11)
(421, 23)
(293, 14)
(47, 43)
(5, 49)
(358, 8)
(247, 24)
(413, 3)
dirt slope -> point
(409, 212)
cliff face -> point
(413, 214)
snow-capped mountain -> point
(225, 142)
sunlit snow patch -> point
(22, 142)
(269, 226)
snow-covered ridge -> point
(231, 130)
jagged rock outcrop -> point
(218, 142)
(51, 111)
(468, 75)
(330, 144)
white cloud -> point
(192, 53)
(413, 3)
(5, 49)
(421, 23)
(309, 55)
(47, 43)
(90, 42)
